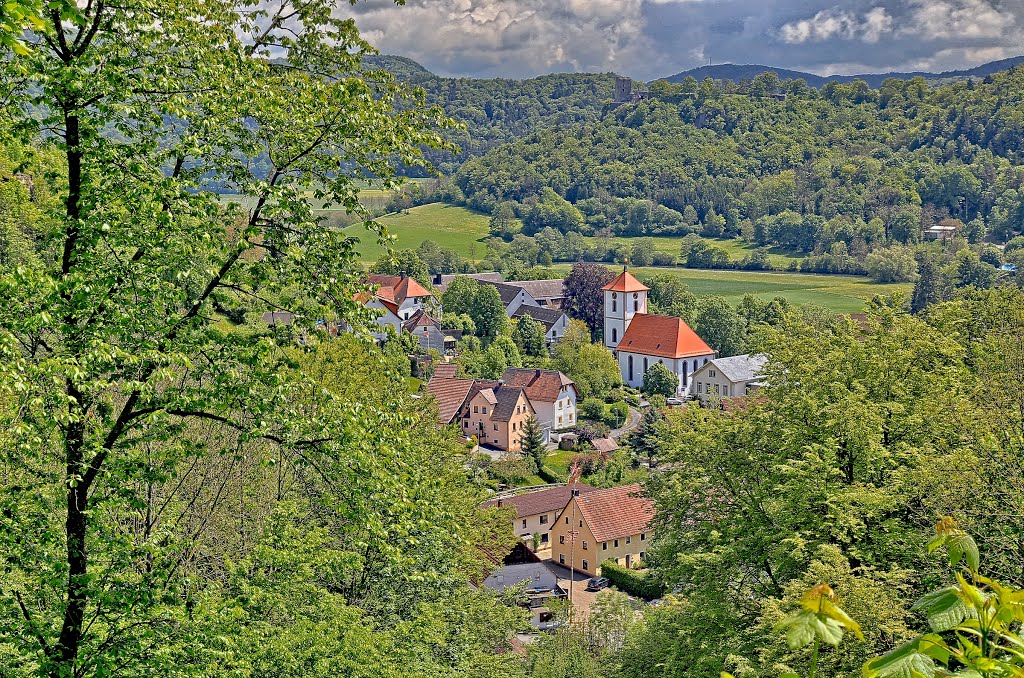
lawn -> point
(458, 228)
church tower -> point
(624, 297)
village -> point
(575, 538)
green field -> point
(736, 249)
(454, 227)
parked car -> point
(674, 402)
(598, 583)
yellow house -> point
(612, 524)
(496, 414)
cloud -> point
(653, 38)
(829, 23)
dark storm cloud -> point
(651, 38)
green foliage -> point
(618, 413)
(403, 261)
(633, 582)
(584, 299)
(658, 379)
(592, 366)
(482, 303)
(592, 408)
(533, 447)
(529, 336)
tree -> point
(642, 253)
(503, 222)
(644, 442)
(584, 299)
(592, 366)
(932, 285)
(110, 338)
(529, 336)
(891, 264)
(402, 261)
(532, 441)
(658, 379)
(592, 408)
(720, 326)
(499, 356)
(482, 303)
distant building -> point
(441, 282)
(540, 586)
(623, 90)
(553, 320)
(552, 394)
(731, 377)
(547, 293)
(940, 232)
(511, 296)
(537, 511)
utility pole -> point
(574, 477)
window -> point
(561, 539)
(559, 419)
(628, 539)
(544, 519)
(645, 365)
(584, 545)
(711, 373)
(586, 565)
(495, 427)
(685, 364)
(642, 556)
(635, 302)
(485, 410)
(524, 524)
(476, 409)
(725, 390)
(581, 523)
(544, 538)
(513, 426)
(629, 364)
(604, 546)
(561, 559)
(614, 302)
(615, 334)
(567, 520)
(616, 543)
(700, 387)
(643, 536)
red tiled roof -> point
(396, 287)
(389, 305)
(544, 386)
(541, 501)
(445, 371)
(662, 336)
(616, 512)
(625, 282)
(450, 395)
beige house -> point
(612, 524)
(496, 414)
(536, 512)
(731, 377)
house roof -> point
(545, 316)
(445, 371)
(739, 368)
(625, 282)
(397, 287)
(507, 292)
(605, 445)
(542, 289)
(278, 317)
(616, 512)
(662, 336)
(538, 576)
(450, 395)
(543, 386)
(507, 397)
(419, 320)
(388, 304)
(540, 501)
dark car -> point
(598, 583)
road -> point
(631, 424)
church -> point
(639, 340)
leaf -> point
(828, 630)
(829, 609)
(799, 630)
(906, 661)
(944, 608)
(961, 546)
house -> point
(940, 231)
(604, 446)
(552, 394)
(540, 586)
(729, 377)
(428, 331)
(639, 340)
(612, 524)
(536, 512)
(511, 296)
(552, 319)
(449, 393)
(278, 317)
(401, 291)
(547, 293)
(496, 414)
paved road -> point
(631, 423)
(581, 599)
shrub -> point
(640, 584)
(618, 414)
(658, 379)
(592, 409)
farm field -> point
(839, 293)
(736, 249)
(458, 228)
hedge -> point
(634, 583)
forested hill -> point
(846, 154)
(741, 72)
(499, 111)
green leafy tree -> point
(660, 380)
(584, 299)
(592, 366)
(482, 303)
(403, 261)
(720, 326)
(529, 336)
(592, 408)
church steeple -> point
(624, 297)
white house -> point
(552, 394)
(402, 291)
(511, 296)
(639, 340)
(730, 377)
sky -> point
(647, 39)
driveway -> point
(576, 582)
(630, 425)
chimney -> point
(575, 491)
(500, 503)
(403, 275)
